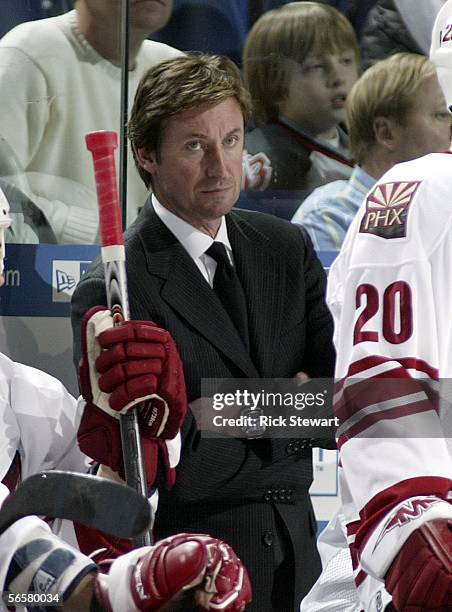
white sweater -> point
(55, 88)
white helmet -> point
(441, 50)
(5, 222)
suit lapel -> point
(187, 292)
(262, 274)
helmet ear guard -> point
(441, 50)
(5, 222)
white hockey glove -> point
(41, 564)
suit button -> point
(282, 495)
(290, 448)
(289, 494)
(267, 538)
(268, 495)
(294, 447)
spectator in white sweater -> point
(59, 79)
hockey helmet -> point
(441, 50)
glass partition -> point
(60, 78)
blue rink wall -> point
(35, 329)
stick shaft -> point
(125, 31)
(102, 146)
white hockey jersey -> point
(390, 292)
(39, 420)
(38, 425)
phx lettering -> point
(387, 209)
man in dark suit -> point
(187, 132)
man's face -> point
(199, 171)
(318, 90)
(427, 128)
(149, 15)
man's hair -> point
(176, 85)
(387, 89)
(283, 37)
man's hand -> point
(420, 577)
(135, 363)
(160, 574)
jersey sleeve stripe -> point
(368, 394)
(361, 365)
(368, 421)
(386, 389)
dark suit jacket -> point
(251, 493)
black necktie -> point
(228, 287)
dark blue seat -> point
(212, 26)
(13, 12)
(278, 202)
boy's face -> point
(317, 91)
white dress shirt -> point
(193, 240)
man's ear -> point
(385, 132)
(145, 157)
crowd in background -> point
(294, 143)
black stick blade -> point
(92, 501)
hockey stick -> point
(125, 36)
(95, 502)
(102, 146)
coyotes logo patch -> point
(409, 511)
(387, 209)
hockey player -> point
(38, 431)
(389, 291)
(36, 566)
(187, 570)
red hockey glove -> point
(226, 585)
(161, 573)
(134, 363)
(420, 577)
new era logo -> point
(65, 276)
(64, 281)
(387, 209)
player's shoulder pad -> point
(410, 204)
